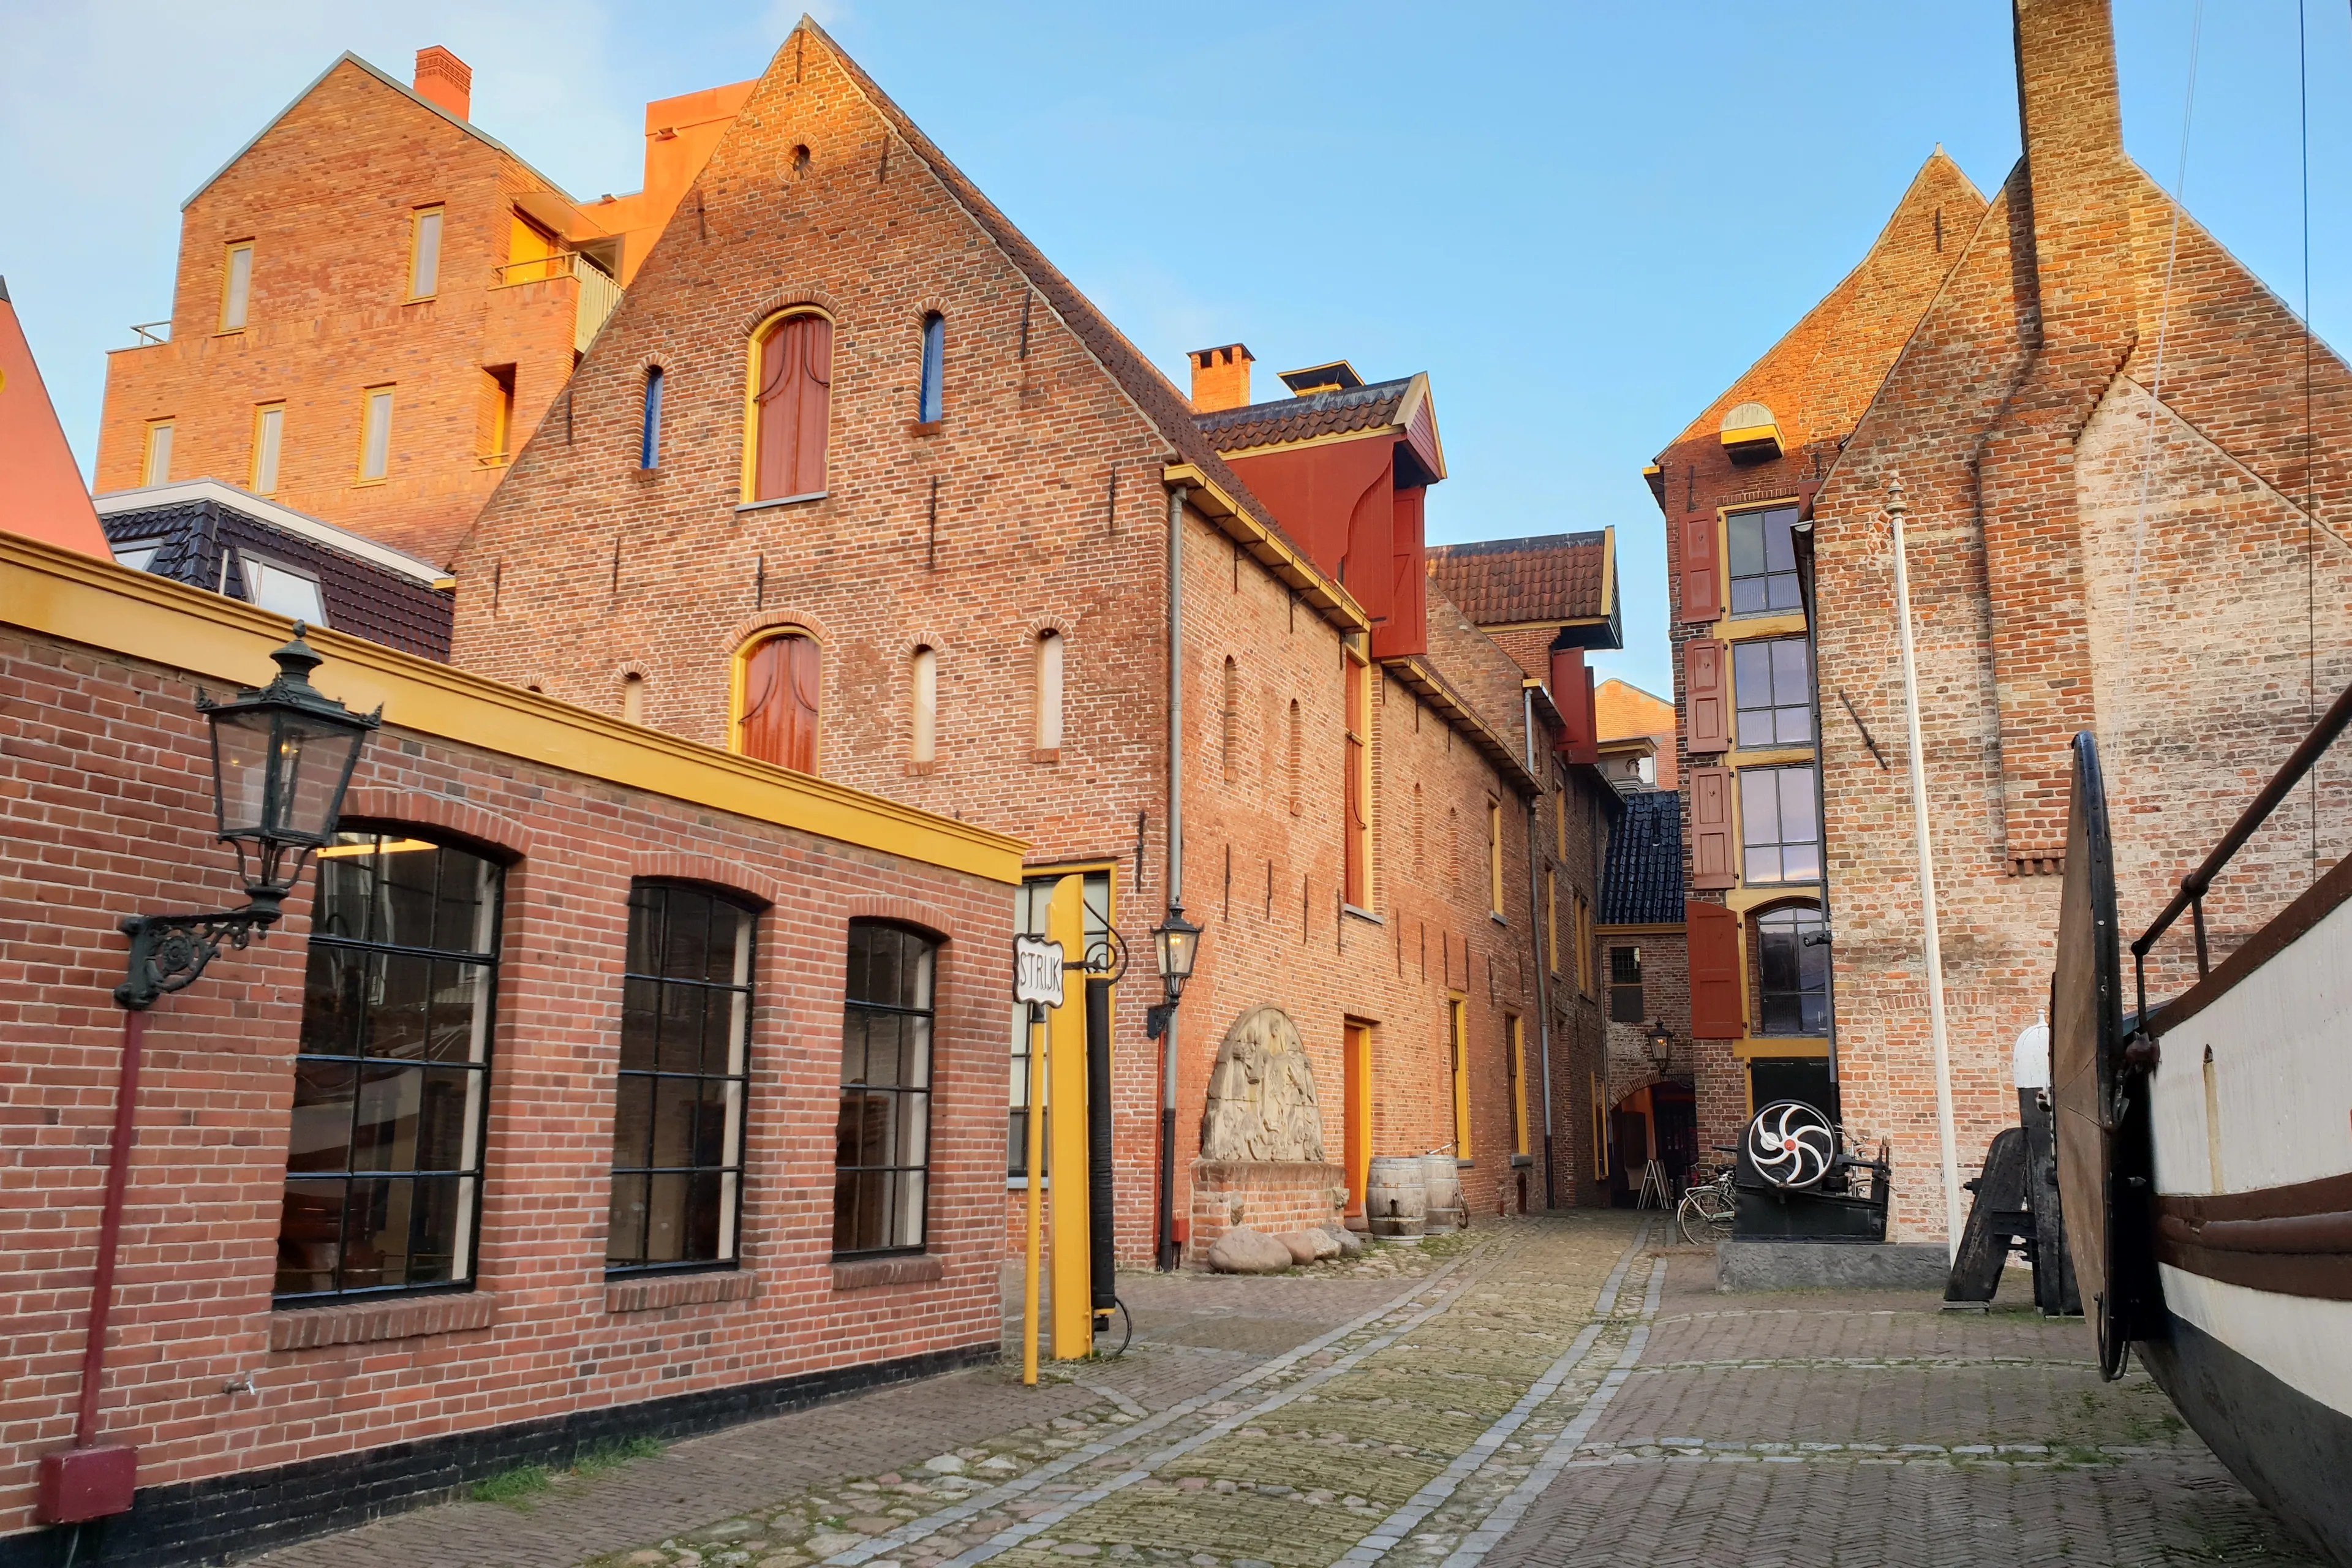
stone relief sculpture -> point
(1261, 1094)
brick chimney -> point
(1220, 377)
(2070, 244)
(444, 79)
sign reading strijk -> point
(1037, 970)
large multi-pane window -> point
(1029, 907)
(1625, 1004)
(677, 1113)
(1763, 561)
(1792, 972)
(882, 1140)
(1779, 833)
(1772, 685)
(383, 1169)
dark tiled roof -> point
(200, 537)
(1304, 418)
(1501, 581)
(1152, 392)
(1641, 880)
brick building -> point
(376, 303)
(905, 520)
(1636, 730)
(1732, 486)
(2129, 483)
(524, 1132)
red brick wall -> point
(326, 195)
(1038, 504)
(105, 798)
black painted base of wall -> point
(2291, 1451)
(206, 1522)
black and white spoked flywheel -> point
(1791, 1145)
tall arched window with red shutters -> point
(778, 705)
(792, 397)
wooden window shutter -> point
(1571, 692)
(1707, 696)
(1713, 936)
(1713, 860)
(793, 401)
(1702, 576)
(781, 690)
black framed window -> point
(1772, 685)
(1029, 906)
(383, 1168)
(1792, 974)
(1625, 985)
(1763, 561)
(881, 1182)
(677, 1110)
(1779, 831)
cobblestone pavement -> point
(1545, 1393)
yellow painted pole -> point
(1065, 1065)
(1036, 1186)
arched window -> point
(1049, 691)
(1793, 975)
(1419, 863)
(881, 1182)
(632, 698)
(1452, 849)
(779, 723)
(649, 436)
(1232, 720)
(931, 403)
(924, 673)
(1296, 762)
(791, 391)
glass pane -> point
(882, 956)
(444, 1120)
(856, 988)
(676, 1104)
(345, 884)
(883, 1033)
(399, 988)
(1751, 674)
(639, 1023)
(722, 1011)
(1790, 677)
(376, 1233)
(460, 1015)
(1793, 726)
(1745, 536)
(625, 1235)
(919, 956)
(914, 1130)
(410, 887)
(680, 1049)
(1761, 865)
(1779, 549)
(383, 1133)
(686, 952)
(1759, 807)
(1801, 862)
(918, 1058)
(333, 993)
(699, 1240)
(633, 1121)
(908, 1227)
(435, 1206)
(738, 1026)
(1797, 822)
(309, 1238)
(1782, 1014)
(243, 749)
(1748, 597)
(1776, 958)
(731, 945)
(1785, 593)
(647, 902)
(1812, 962)
(324, 1093)
(462, 902)
(853, 1045)
(665, 1219)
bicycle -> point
(1704, 1215)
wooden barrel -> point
(1442, 1204)
(1396, 1205)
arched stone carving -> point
(1262, 1101)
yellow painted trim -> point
(1810, 1049)
(1674, 928)
(1518, 1046)
(1334, 602)
(1768, 757)
(415, 239)
(752, 349)
(1457, 1026)
(78, 598)
(1608, 571)
(1066, 1071)
(147, 453)
(228, 271)
(1748, 435)
(261, 412)
(1748, 628)
(360, 476)
(735, 683)
(1742, 901)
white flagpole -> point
(1896, 508)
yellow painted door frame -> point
(1457, 1029)
(1066, 1069)
(1356, 1108)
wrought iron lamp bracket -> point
(168, 952)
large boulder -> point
(1241, 1250)
(1302, 1246)
(1349, 1244)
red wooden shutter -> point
(1702, 582)
(780, 702)
(1707, 696)
(793, 403)
(1571, 692)
(1713, 863)
(1715, 988)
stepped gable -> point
(1502, 581)
(1641, 880)
(1822, 374)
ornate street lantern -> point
(1176, 942)
(1662, 1046)
(282, 757)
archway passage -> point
(1658, 1122)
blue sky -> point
(1583, 220)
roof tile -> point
(1501, 581)
(1305, 419)
(1641, 880)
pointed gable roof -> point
(43, 497)
(1150, 391)
(1821, 376)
